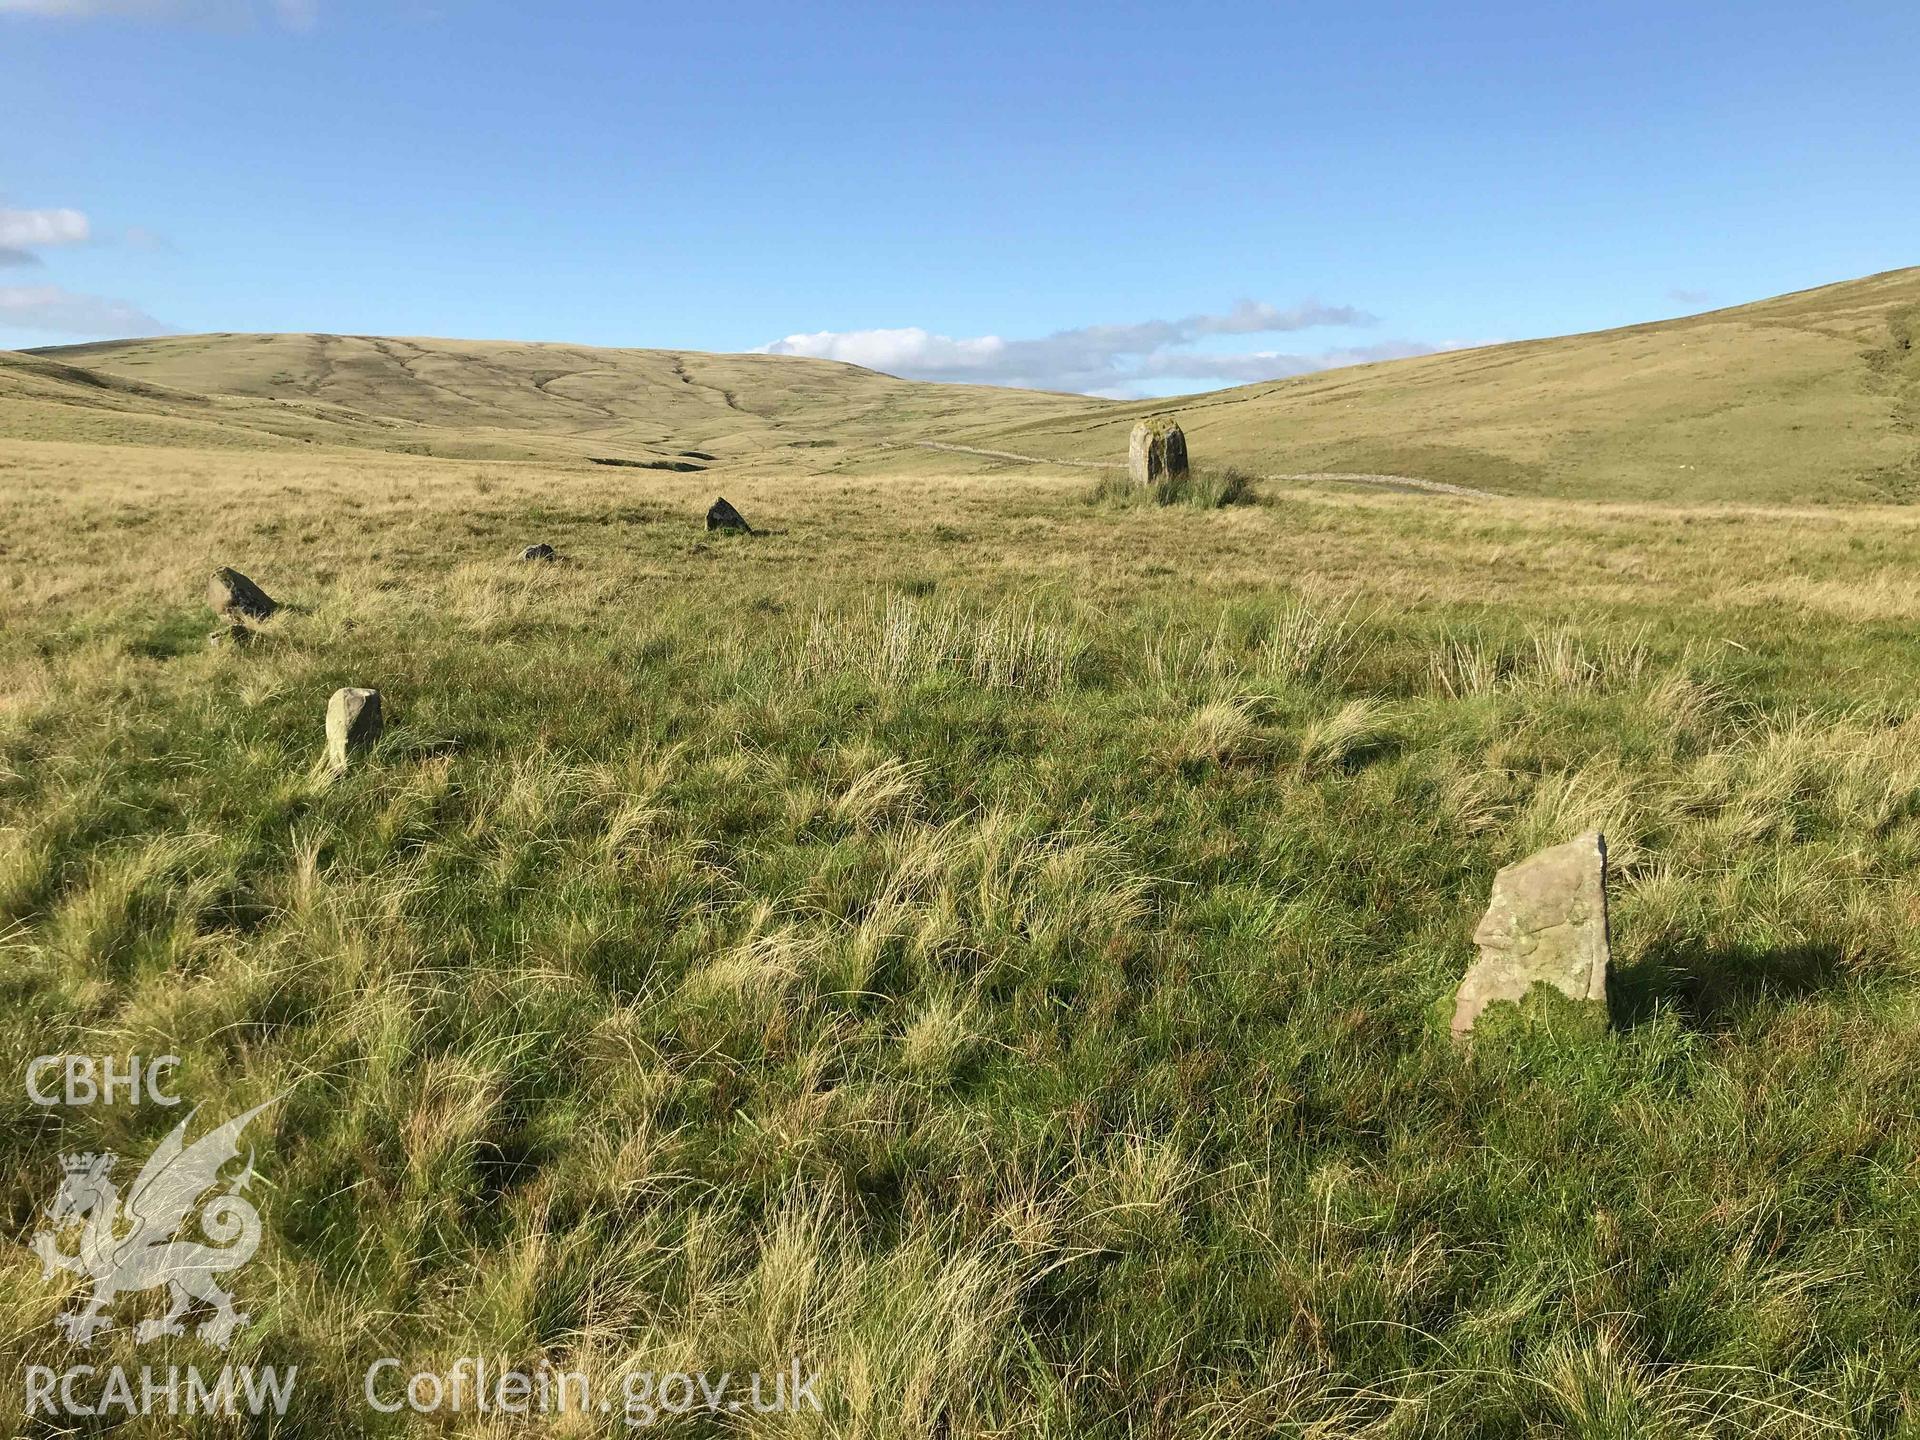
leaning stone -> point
(232, 594)
(539, 552)
(724, 517)
(353, 724)
(1546, 925)
(236, 635)
(1157, 452)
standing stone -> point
(1546, 925)
(232, 594)
(353, 724)
(723, 516)
(1157, 452)
(541, 551)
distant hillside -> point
(1812, 396)
(485, 398)
(1809, 396)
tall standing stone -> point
(353, 724)
(1545, 925)
(235, 596)
(1157, 452)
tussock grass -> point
(1201, 488)
(1556, 663)
(1008, 646)
(1013, 993)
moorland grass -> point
(1201, 487)
(984, 944)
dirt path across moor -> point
(1390, 482)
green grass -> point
(1203, 488)
(984, 943)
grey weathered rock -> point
(232, 594)
(353, 724)
(722, 516)
(1545, 925)
(234, 634)
(541, 551)
(1157, 451)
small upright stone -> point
(353, 724)
(1157, 452)
(542, 551)
(1545, 925)
(723, 516)
(232, 594)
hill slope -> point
(465, 397)
(1811, 396)
(1808, 396)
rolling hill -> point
(1810, 396)
(481, 399)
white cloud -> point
(1103, 359)
(50, 307)
(1277, 365)
(911, 350)
(1251, 317)
(22, 228)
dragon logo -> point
(130, 1244)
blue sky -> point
(1130, 198)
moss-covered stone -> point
(1157, 452)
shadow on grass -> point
(433, 747)
(1720, 987)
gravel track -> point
(1391, 482)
